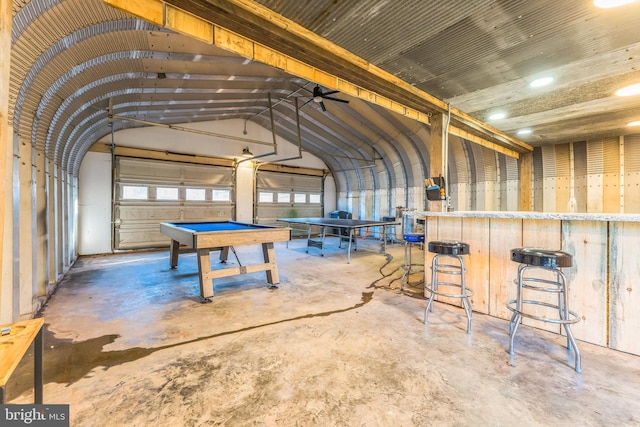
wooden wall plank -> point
(450, 228)
(587, 242)
(475, 232)
(601, 281)
(525, 178)
(504, 235)
(624, 319)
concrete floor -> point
(128, 344)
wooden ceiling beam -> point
(259, 34)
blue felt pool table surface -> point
(200, 227)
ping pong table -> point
(346, 226)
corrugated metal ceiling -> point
(70, 57)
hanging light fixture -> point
(246, 152)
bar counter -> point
(606, 265)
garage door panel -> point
(160, 213)
(141, 206)
(131, 238)
(270, 213)
(291, 186)
(208, 212)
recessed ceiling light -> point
(629, 90)
(636, 123)
(497, 116)
(608, 4)
(524, 132)
(542, 81)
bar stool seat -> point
(450, 263)
(541, 257)
(534, 260)
(448, 247)
(411, 239)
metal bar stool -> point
(448, 251)
(532, 259)
(410, 239)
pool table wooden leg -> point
(204, 268)
(224, 254)
(269, 254)
(173, 253)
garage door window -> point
(130, 192)
(266, 197)
(165, 193)
(220, 195)
(195, 194)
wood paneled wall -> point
(601, 281)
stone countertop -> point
(535, 215)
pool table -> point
(207, 236)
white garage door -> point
(287, 195)
(149, 192)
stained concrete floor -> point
(128, 344)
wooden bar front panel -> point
(602, 281)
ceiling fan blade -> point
(331, 98)
(331, 92)
(322, 105)
(311, 100)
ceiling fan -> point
(319, 96)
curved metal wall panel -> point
(580, 187)
(459, 174)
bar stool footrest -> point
(574, 317)
(429, 288)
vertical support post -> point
(436, 152)
(52, 229)
(6, 21)
(572, 179)
(525, 177)
(621, 139)
(24, 221)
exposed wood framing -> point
(257, 33)
(146, 153)
(172, 156)
(5, 153)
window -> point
(166, 193)
(265, 197)
(195, 194)
(284, 197)
(314, 198)
(220, 195)
(134, 192)
(300, 198)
